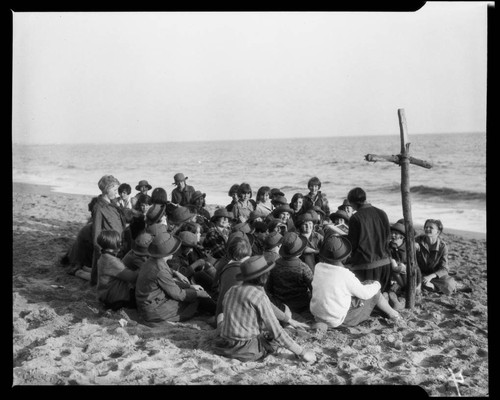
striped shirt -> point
(246, 309)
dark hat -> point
(141, 243)
(335, 248)
(242, 226)
(273, 223)
(254, 267)
(179, 177)
(188, 238)
(305, 218)
(180, 215)
(221, 212)
(346, 203)
(319, 210)
(240, 234)
(106, 181)
(339, 214)
(143, 183)
(272, 240)
(292, 245)
(163, 245)
(280, 209)
(156, 229)
(256, 214)
(196, 195)
(155, 213)
(280, 200)
(276, 192)
(314, 214)
(399, 227)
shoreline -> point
(38, 189)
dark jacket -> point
(369, 234)
(432, 261)
(183, 198)
(106, 216)
(320, 200)
(159, 297)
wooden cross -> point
(404, 160)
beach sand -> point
(61, 336)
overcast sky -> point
(170, 76)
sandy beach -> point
(61, 335)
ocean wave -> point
(447, 193)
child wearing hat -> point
(290, 282)
(159, 296)
(218, 234)
(182, 193)
(197, 206)
(138, 254)
(339, 298)
(115, 282)
(272, 245)
(249, 330)
(143, 188)
(314, 240)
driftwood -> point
(404, 160)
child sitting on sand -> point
(249, 330)
(115, 282)
(159, 296)
(338, 296)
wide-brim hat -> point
(305, 218)
(240, 234)
(292, 244)
(143, 183)
(155, 213)
(346, 203)
(179, 177)
(276, 192)
(279, 200)
(399, 227)
(196, 195)
(273, 223)
(255, 215)
(335, 248)
(319, 210)
(221, 212)
(242, 226)
(272, 240)
(188, 238)
(339, 214)
(280, 209)
(180, 215)
(141, 243)
(163, 245)
(315, 215)
(156, 229)
(254, 267)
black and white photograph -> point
(207, 198)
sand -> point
(61, 335)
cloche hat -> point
(335, 248)
(254, 267)
(143, 183)
(163, 245)
(292, 245)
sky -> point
(130, 77)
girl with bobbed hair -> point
(315, 197)
(263, 201)
(297, 205)
(245, 204)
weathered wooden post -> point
(404, 160)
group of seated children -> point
(253, 267)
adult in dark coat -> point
(105, 215)
(369, 234)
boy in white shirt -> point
(339, 298)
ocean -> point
(453, 190)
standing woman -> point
(245, 205)
(432, 258)
(106, 215)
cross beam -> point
(404, 160)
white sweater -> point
(332, 289)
